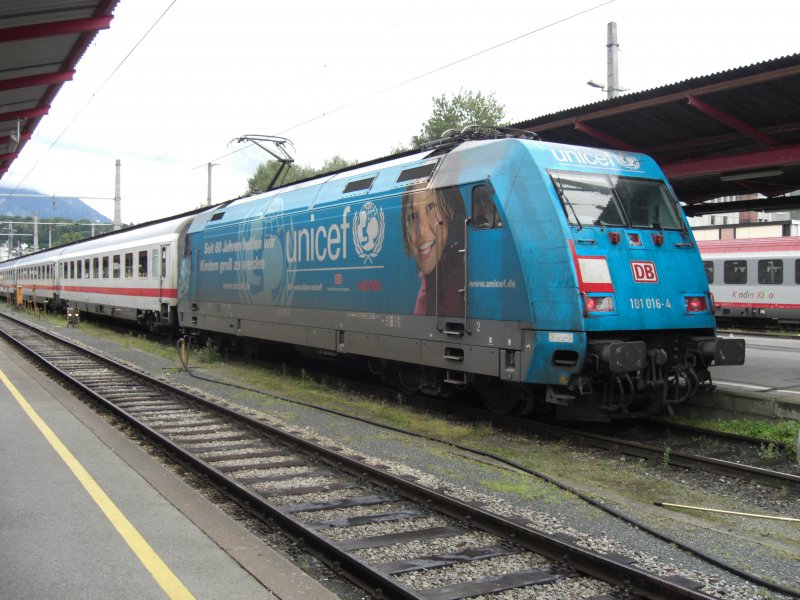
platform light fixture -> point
(751, 175)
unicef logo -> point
(628, 161)
(368, 231)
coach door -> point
(163, 276)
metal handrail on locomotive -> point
(546, 277)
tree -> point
(266, 171)
(464, 108)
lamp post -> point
(612, 79)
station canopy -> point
(729, 134)
(41, 42)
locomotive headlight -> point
(599, 304)
(695, 304)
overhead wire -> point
(428, 73)
(94, 94)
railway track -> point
(661, 447)
(393, 537)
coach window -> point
(64, 270)
(484, 212)
(128, 265)
(735, 271)
(709, 267)
(115, 266)
(96, 267)
(770, 271)
(105, 267)
(143, 263)
(86, 272)
(79, 270)
(797, 271)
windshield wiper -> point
(563, 195)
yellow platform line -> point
(165, 578)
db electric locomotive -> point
(543, 276)
(754, 279)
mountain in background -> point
(30, 203)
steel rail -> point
(614, 570)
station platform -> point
(85, 513)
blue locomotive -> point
(546, 277)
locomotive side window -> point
(709, 267)
(116, 263)
(735, 271)
(484, 211)
(770, 271)
(587, 199)
(143, 263)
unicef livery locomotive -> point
(545, 276)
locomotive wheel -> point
(500, 398)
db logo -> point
(644, 271)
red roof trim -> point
(27, 32)
(781, 244)
(28, 113)
(33, 80)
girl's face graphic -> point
(426, 240)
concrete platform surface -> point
(85, 513)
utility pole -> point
(612, 85)
(117, 199)
(210, 165)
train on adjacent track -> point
(546, 277)
(754, 280)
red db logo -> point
(644, 271)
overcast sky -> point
(351, 78)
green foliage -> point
(266, 171)
(61, 232)
(462, 109)
(782, 433)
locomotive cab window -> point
(770, 271)
(484, 211)
(735, 271)
(647, 203)
(588, 199)
(591, 199)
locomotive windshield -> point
(608, 200)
